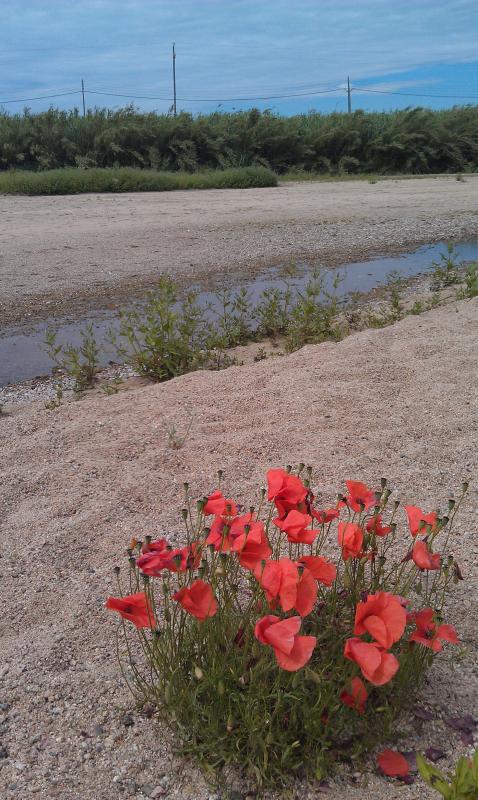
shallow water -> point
(23, 356)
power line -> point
(214, 99)
(309, 93)
(412, 94)
(39, 97)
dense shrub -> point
(415, 140)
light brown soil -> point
(67, 254)
(79, 481)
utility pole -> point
(83, 95)
(174, 79)
(349, 96)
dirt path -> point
(78, 482)
(61, 254)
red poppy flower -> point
(224, 532)
(294, 525)
(324, 517)
(377, 666)
(418, 520)
(158, 545)
(252, 546)
(375, 526)
(135, 607)
(360, 497)
(357, 697)
(282, 583)
(393, 764)
(383, 617)
(179, 560)
(423, 558)
(287, 491)
(220, 506)
(350, 539)
(428, 633)
(198, 600)
(306, 593)
(291, 651)
(322, 570)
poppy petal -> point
(393, 764)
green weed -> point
(127, 179)
(80, 363)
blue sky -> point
(239, 49)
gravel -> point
(68, 254)
(79, 481)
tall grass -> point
(414, 140)
(128, 179)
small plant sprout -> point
(446, 270)
(176, 440)
(57, 400)
(80, 363)
(113, 386)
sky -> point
(294, 55)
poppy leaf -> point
(434, 754)
(422, 713)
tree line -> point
(413, 140)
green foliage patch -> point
(128, 179)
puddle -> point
(23, 356)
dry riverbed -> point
(77, 482)
(71, 254)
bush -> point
(77, 181)
(262, 652)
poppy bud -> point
(386, 495)
(148, 539)
(221, 688)
(200, 505)
(186, 486)
(263, 493)
(229, 725)
(184, 514)
(288, 468)
(451, 504)
(116, 570)
(464, 487)
(198, 673)
(396, 504)
(177, 560)
(445, 521)
(383, 482)
(457, 571)
(220, 473)
(251, 510)
(132, 561)
(301, 467)
(309, 471)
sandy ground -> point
(79, 481)
(65, 254)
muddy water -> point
(23, 355)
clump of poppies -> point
(279, 637)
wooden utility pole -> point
(349, 96)
(174, 79)
(83, 95)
